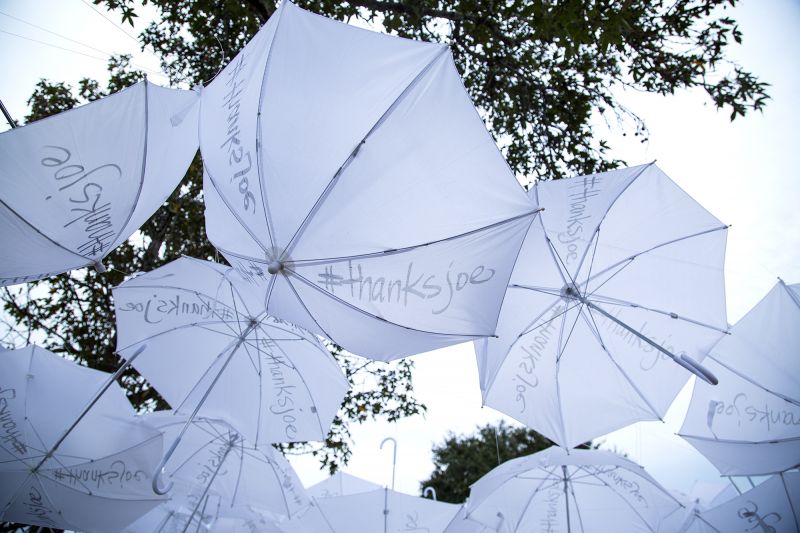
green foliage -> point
(461, 460)
(538, 70)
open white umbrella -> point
(215, 460)
(771, 507)
(76, 185)
(348, 173)
(212, 350)
(376, 511)
(581, 491)
(750, 423)
(621, 276)
(341, 484)
(93, 476)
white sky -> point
(745, 172)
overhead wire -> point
(107, 54)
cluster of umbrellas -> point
(358, 197)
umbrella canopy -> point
(98, 477)
(210, 343)
(621, 276)
(580, 491)
(76, 185)
(348, 173)
(180, 513)
(750, 423)
(381, 510)
(341, 484)
(215, 460)
(772, 507)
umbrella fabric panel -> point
(771, 506)
(451, 288)
(77, 184)
(340, 484)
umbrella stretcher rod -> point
(683, 360)
(89, 406)
(157, 488)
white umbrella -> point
(93, 476)
(620, 276)
(750, 423)
(215, 460)
(181, 512)
(76, 185)
(348, 172)
(771, 507)
(580, 491)
(382, 510)
(213, 350)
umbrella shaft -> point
(7, 115)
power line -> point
(104, 59)
(120, 28)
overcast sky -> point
(745, 173)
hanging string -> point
(497, 444)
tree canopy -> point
(540, 72)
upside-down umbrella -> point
(76, 185)
(215, 460)
(93, 476)
(771, 507)
(348, 173)
(580, 491)
(212, 350)
(618, 279)
(750, 423)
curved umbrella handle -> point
(429, 491)
(699, 370)
(159, 471)
(394, 455)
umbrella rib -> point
(624, 303)
(144, 165)
(234, 213)
(750, 380)
(656, 247)
(596, 330)
(394, 251)
(789, 497)
(543, 290)
(260, 371)
(259, 135)
(596, 239)
(646, 524)
(340, 171)
(348, 304)
(34, 228)
(563, 426)
(792, 295)
(575, 501)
